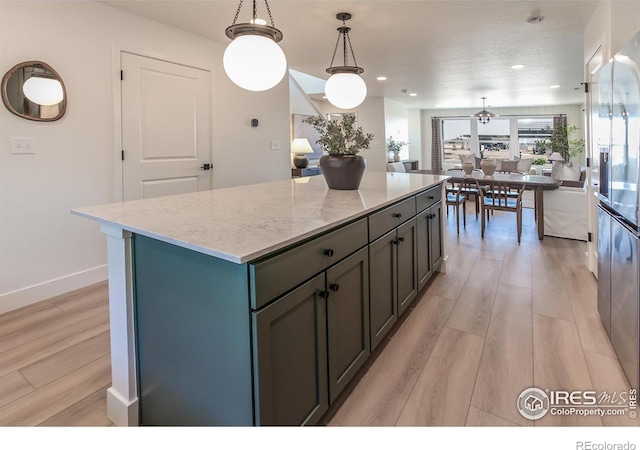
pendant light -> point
(43, 89)
(345, 88)
(253, 60)
(484, 116)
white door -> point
(166, 128)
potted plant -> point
(562, 143)
(342, 167)
(395, 147)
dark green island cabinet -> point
(274, 341)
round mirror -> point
(34, 90)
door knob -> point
(207, 166)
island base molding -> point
(123, 413)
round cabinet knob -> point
(401, 239)
(324, 294)
(397, 215)
(334, 287)
(328, 252)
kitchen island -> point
(256, 305)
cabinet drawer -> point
(429, 197)
(390, 217)
(276, 275)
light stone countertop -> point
(243, 223)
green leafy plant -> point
(340, 137)
(562, 143)
(395, 146)
(540, 146)
(539, 161)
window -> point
(456, 137)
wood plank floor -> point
(504, 317)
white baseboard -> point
(39, 292)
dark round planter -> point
(343, 172)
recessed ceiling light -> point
(413, 94)
(518, 66)
(381, 78)
(554, 86)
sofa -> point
(565, 208)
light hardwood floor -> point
(503, 318)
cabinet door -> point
(407, 265)
(347, 319)
(624, 299)
(382, 287)
(604, 268)
(423, 248)
(435, 235)
(290, 357)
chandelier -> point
(253, 60)
(484, 116)
(345, 88)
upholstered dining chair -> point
(508, 166)
(456, 199)
(497, 197)
(470, 192)
(396, 167)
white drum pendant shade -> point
(255, 63)
(345, 90)
(43, 91)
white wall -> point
(370, 115)
(396, 121)
(44, 250)
(612, 25)
(414, 124)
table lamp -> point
(300, 146)
(555, 156)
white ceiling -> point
(451, 53)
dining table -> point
(536, 183)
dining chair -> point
(498, 198)
(508, 166)
(468, 188)
(456, 199)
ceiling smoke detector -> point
(535, 19)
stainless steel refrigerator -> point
(617, 135)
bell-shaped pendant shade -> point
(255, 63)
(345, 90)
(43, 91)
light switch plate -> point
(275, 145)
(22, 146)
